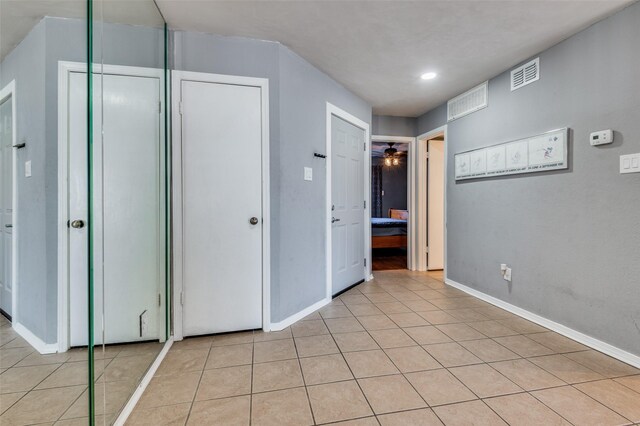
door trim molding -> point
(411, 193)
(422, 209)
(344, 115)
(65, 68)
(10, 90)
(178, 285)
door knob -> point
(77, 224)
(334, 220)
(253, 220)
(9, 225)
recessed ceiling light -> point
(428, 76)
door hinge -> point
(181, 298)
(364, 146)
(426, 155)
(159, 299)
(180, 107)
(159, 107)
(426, 249)
(365, 261)
(365, 204)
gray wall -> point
(394, 185)
(572, 237)
(298, 93)
(387, 125)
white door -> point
(347, 204)
(221, 207)
(127, 210)
(6, 203)
(435, 205)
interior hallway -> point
(402, 349)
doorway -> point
(8, 198)
(348, 233)
(221, 221)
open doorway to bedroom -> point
(390, 203)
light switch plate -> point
(27, 168)
(630, 163)
(308, 173)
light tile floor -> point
(403, 349)
(52, 389)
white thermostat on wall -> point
(602, 137)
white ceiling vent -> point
(525, 74)
(470, 101)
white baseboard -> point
(592, 342)
(33, 340)
(277, 326)
(131, 404)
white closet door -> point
(6, 204)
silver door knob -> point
(334, 220)
(77, 224)
(253, 220)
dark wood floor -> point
(388, 259)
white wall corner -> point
(277, 326)
(33, 340)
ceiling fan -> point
(390, 157)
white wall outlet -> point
(27, 168)
(630, 163)
(602, 137)
(308, 173)
(507, 274)
(503, 267)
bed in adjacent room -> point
(390, 232)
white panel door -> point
(347, 200)
(127, 211)
(221, 207)
(435, 205)
(6, 204)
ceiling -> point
(377, 49)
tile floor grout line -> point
(601, 403)
(193, 400)
(304, 382)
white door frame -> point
(10, 90)
(178, 284)
(64, 71)
(411, 193)
(340, 113)
(422, 195)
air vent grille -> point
(470, 101)
(525, 74)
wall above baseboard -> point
(587, 340)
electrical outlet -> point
(503, 267)
(507, 274)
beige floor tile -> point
(309, 328)
(494, 312)
(484, 381)
(8, 399)
(325, 369)
(262, 336)
(234, 411)
(37, 359)
(393, 338)
(18, 379)
(522, 325)
(330, 311)
(359, 341)
(390, 393)
(577, 407)
(313, 316)
(229, 356)
(315, 345)
(438, 317)
(459, 332)
(178, 362)
(632, 382)
(451, 354)
(170, 389)
(277, 375)
(127, 368)
(488, 350)
(377, 322)
(412, 358)
(281, 408)
(527, 375)
(617, 397)
(343, 325)
(338, 401)
(420, 305)
(200, 342)
(366, 421)
(566, 369)
(524, 410)
(429, 294)
(12, 356)
(493, 328)
(354, 299)
(225, 382)
(110, 398)
(523, 346)
(370, 363)
(392, 307)
(173, 415)
(40, 406)
(70, 374)
(80, 421)
(232, 338)
(439, 387)
(557, 342)
(381, 298)
(408, 319)
(602, 364)
(405, 295)
(276, 350)
(364, 310)
(473, 413)
(467, 315)
(422, 417)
